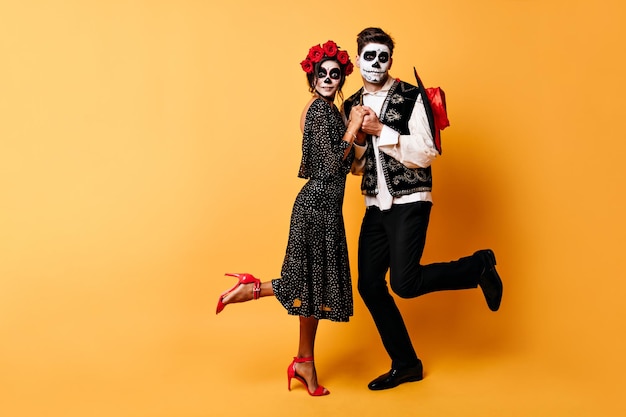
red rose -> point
(316, 53)
(330, 48)
(307, 66)
(349, 68)
(342, 57)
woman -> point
(315, 278)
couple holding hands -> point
(387, 132)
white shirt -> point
(414, 150)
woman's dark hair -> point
(373, 35)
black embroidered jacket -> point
(395, 113)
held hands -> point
(371, 125)
(357, 113)
(368, 122)
(357, 117)
(353, 130)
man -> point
(394, 151)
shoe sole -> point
(411, 379)
(492, 257)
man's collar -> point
(384, 89)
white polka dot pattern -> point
(315, 278)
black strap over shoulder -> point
(427, 106)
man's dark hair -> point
(373, 35)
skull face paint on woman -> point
(327, 79)
(374, 62)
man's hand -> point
(371, 125)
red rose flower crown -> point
(328, 50)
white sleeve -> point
(415, 150)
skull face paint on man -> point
(374, 62)
(327, 79)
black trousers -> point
(394, 240)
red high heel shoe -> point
(243, 279)
(291, 373)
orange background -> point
(147, 147)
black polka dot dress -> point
(315, 277)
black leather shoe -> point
(395, 377)
(489, 280)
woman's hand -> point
(357, 113)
